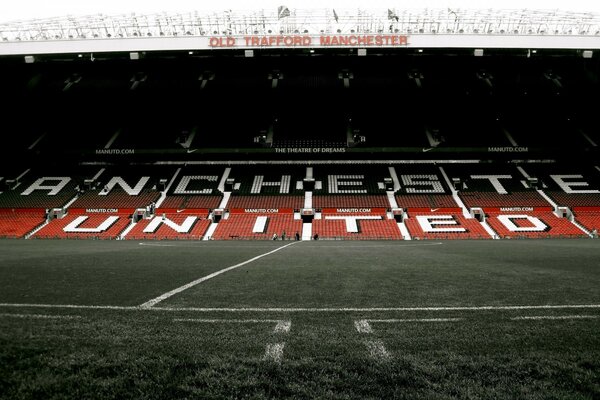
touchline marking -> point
(416, 320)
(76, 306)
(232, 321)
(378, 309)
(180, 289)
(538, 317)
(201, 243)
(304, 309)
(40, 316)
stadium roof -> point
(308, 28)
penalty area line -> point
(156, 300)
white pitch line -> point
(75, 306)
(304, 309)
(416, 320)
(201, 243)
(153, 302)
(362, 326)
(377, 350)
(283, 326)
(375, 347)
(378, 309)
(40, 316)
(274, 352)
(228, 321)
(539, 317)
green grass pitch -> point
(322, 319)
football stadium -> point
(301, 204)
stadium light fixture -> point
(248, 53)
(361, 52)
(29, 59)
(587, 53)
(478, 52)
(134, 55)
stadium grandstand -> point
(351, 125)
(319, 203)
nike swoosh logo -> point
(180, 210)
(191, 151)
(426, 150)
(434, 209)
